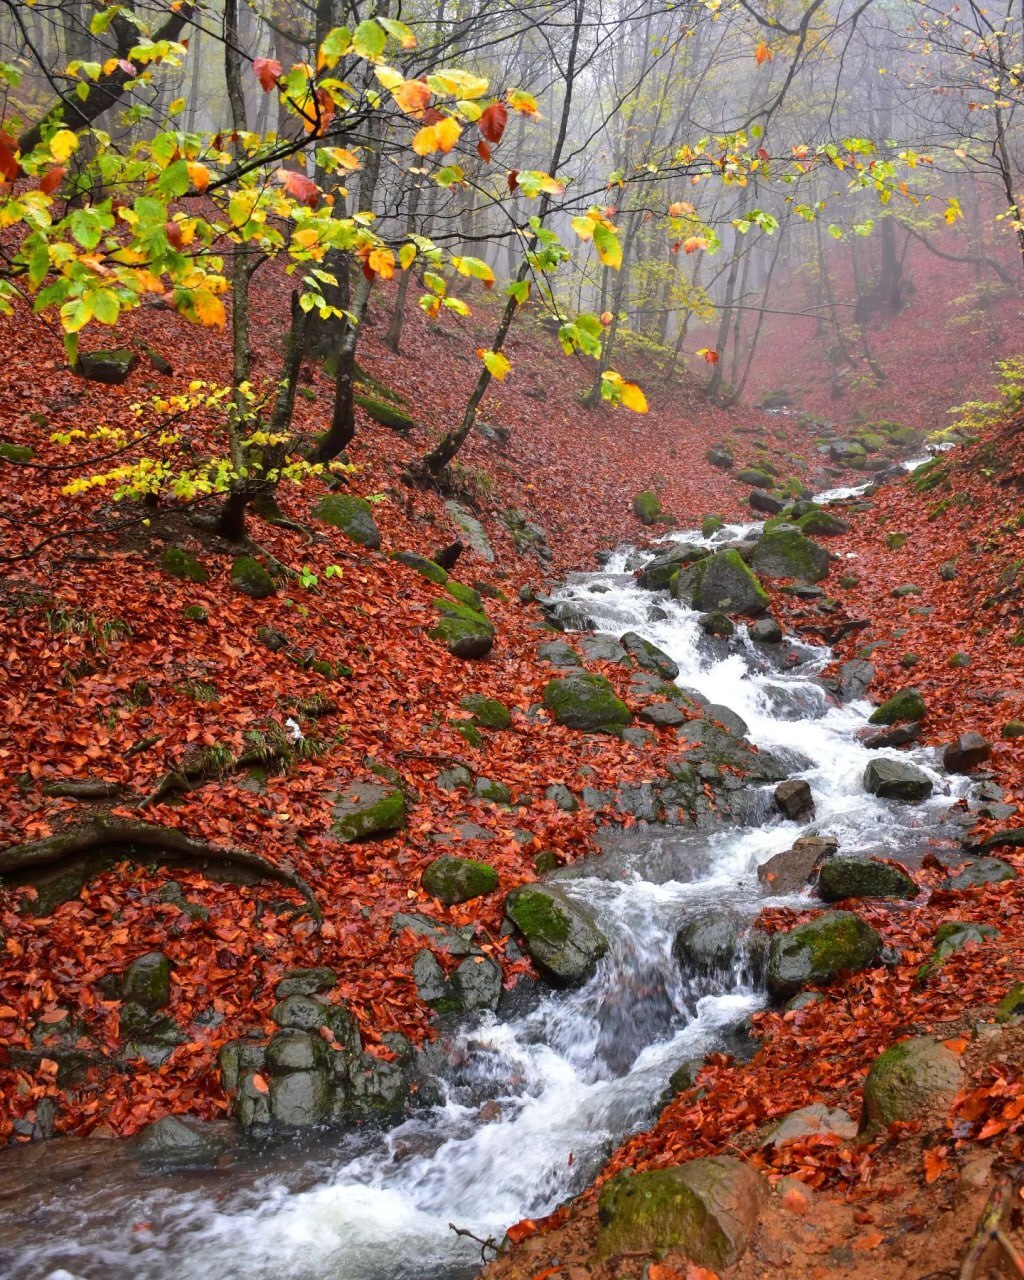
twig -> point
(990, 1229)
(489, 1243)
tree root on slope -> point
(127, 838)
(991, 1229)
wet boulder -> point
(559, 654)
(649, 656)
(857, 877)
(792, 870)
(586, 702)
(717, 945)
(352, 515)
(765, 631)
(896, 780)
(907, 704)
(765, 502)
(855, 679)
(647, 507)
(786, 553)
(657, 574)
(559, 934)
(706, 1209)
(306, 982)
(979, 871)
(914, 1080)
(183, 1140)
(452, 880)
(836, 942)
(966, 753)
(895, 735)
(566, 615)
(822, 524)
(794, 800)
(721, 581)
(367, 809)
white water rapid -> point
(563, 1082)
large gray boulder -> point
(706, 1209)
(658, 573)
(836, 942)
(914, 1080)
(792, 870)
(559, 934)
(721, 581)
(896, 780)
(648, 655)
(786, 553)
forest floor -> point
(108, 677)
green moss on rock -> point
(587, 702)
(786, 553)
(465, 595)
(721, 581)
(425, 567)
(352, 515)
(367, 809)
(387, 415)
(836, 942)
(489, 713)
(250, 578)
(822, 524)
(914, 1080)
(852, 877)
(647, 507)
(452, 880)
(908, 704)
(468, 633)
(559, 934)
(179, 564)
(15, 452)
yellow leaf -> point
(633, 398)
(497, 364)
(62, 144)
(382, 262)
(406, 255)
(449, 131)
(209, 309)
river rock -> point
(183, 1140)
(914, 1080)
(792, 870)
(980, 871)
(822, 524)
(896, 780)
(663, 715)
(367, 809)
(452, 880)
(352, 515)
(466, 632)
(950, 938)
(559, 934)
(470, 529)
(794, 800)
(966, 753)
(559, 654)
(714, 944)
(856, 877)
(425, 567)
(907, 704)
(765, 631)
(648, 655)
(836, 942)
(295, 1051)
(705, 1209)
(586, 702)
(300, 1099)
(657, 574)
(895, 735)
(566, 615)
(855, 678)
(768, 503)
(488, 713)
(733, 724)
(786, 553)
(306, 982)
(808, 1122)
(721, 581)
(476, 984)
(602, 648)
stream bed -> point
(533, 1105)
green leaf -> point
(520, 290)
(399, 31)
(102, 20)
(369, 39)
(607, 244)
(336, 44)
(174, 181)
(106, 306)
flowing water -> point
(534, 1104)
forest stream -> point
(532, 1104)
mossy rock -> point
(1012, 729)
(425, 567)
(951, 938)
(465, 595)
(179, 564)
(195, 613)
(489, 713)
(721, 581)
(367, 809)
(586, 702)
(647, 507)
(705, 1209)
(710, 525)
(559, 934)
(352, 516)
(818, 951)
(657, 574)
(147, 982)
(466, 632)
(648, 655)
(250, 578)
(15, 452)
(452, 880)
(914, 1080)
(755, 476)
(822, 524)
(495, 792)
(853, 877)
(386, 415)
(908, 704)
(1012, 1004)
(786, 553)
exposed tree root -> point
(991, 1229)
(164, 844)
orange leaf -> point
(935, 1164)
(795, 1201)
(55, 1015)
(763, 54)
(260, 1084)
(868, 1242)
(52, 180)
(483, 150)
(7, 1012)
(299, 187)
(956, 1046)
(492, 123)
(267, 70)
